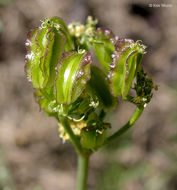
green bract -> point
(102, 43)
(126, 60)
(45, 46)
(72, 75)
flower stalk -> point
(82, 171)
(137, 113)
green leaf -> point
(72, 75)
(98, 86)
(126, 60)
(103, 45)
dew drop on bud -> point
(113, 56)
(112, 66)
(107, 32)
(29, 78)
(80, 73)
(27, 43)
(87, 59)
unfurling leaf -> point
(126, 60)
(72, 75)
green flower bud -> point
(126, 60)
(91, 137)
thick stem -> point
(137, 113)
(83, 163)
(72, 136)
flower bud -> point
(91, 137)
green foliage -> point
(67, 84)
(69, 87)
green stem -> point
(73, 138)
(137, 113)
(83, 162)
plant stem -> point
(137, 113)
(83, 162)
(73, 138)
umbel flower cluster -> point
(69, 86)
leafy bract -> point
(72, 75)
(126, 60)
(103, 45)
(45, 46)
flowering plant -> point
(77, 92)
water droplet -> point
(27, 57)
(107, 32)
(116, 38)
(27, 43)
(29, 78)
(56, 68)
(80, 73)
(87, 59)
(112, 65)
(113, 55)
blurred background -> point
(32, 157)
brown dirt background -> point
(31, 150)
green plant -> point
(69, 87)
